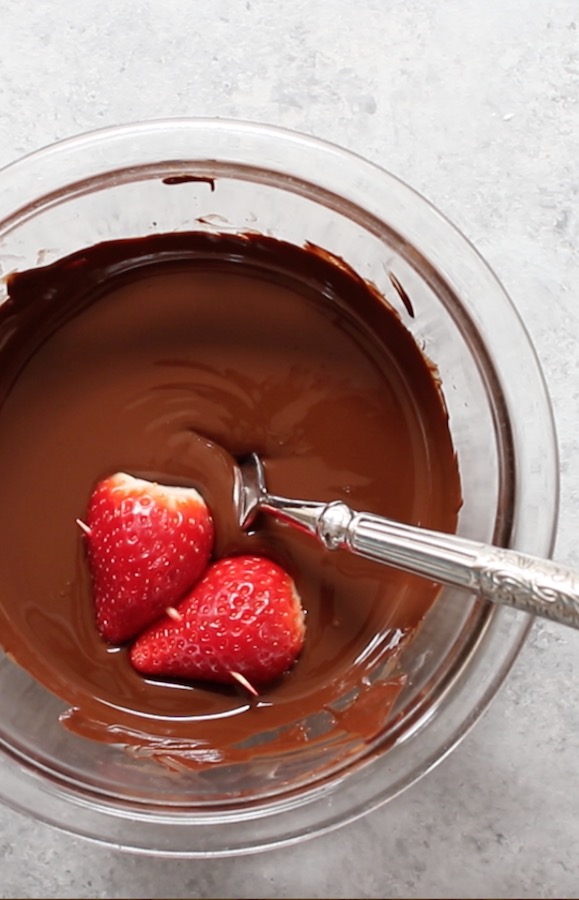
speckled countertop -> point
(476, 104)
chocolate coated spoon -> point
(537, 586)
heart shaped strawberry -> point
(147, 546)
(243, 621)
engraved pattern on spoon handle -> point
(536, 586)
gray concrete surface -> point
(477, 105)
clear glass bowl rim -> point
(294, 157)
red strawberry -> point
(147, 546)
(244, 618)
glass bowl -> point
(233, 176)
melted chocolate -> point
(118, 358)
(187, 179)
(402, 294)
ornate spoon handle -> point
(537, 586)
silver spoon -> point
(537, 586)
